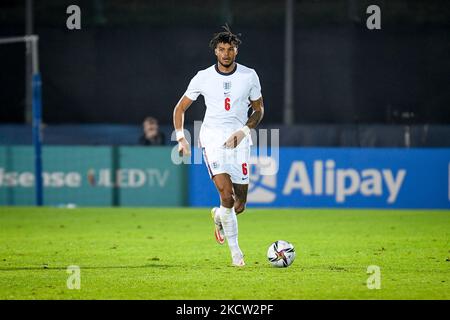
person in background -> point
(151, 135)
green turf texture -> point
(171, 254)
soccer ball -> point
(281, 254)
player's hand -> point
(183, 147)
(235, 139)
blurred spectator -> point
(151, 135)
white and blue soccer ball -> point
(281, 254)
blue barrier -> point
(342, 177)
(37, 137)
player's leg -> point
(212, 162)
(225, 189)
(240, 197)
(227, 216)
(231, 190)
(224, 186)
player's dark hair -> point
(225, 37)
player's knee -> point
(227, 199)
(239, 207)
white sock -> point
(230, 228)
(217, 216)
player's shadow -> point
(145, 266)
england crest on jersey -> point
(227, 85)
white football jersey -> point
(227, 98)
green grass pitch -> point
(171, 254)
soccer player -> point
(229, 89)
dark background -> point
(135, 58)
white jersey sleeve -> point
(255, 90)
(194, 88)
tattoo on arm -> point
(257, 115)
(254, 119)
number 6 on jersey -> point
(227, 104)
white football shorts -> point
(231, 161)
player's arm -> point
(255, 118)
(257, 115)
(178, 123)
